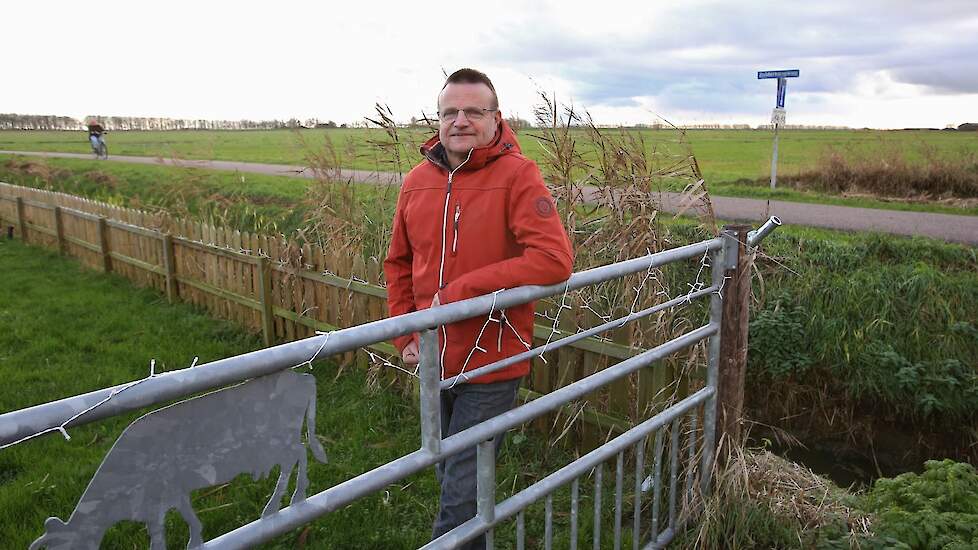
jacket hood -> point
(503, 143)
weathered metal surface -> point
(165, 455)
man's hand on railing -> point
(410, 353)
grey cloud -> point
(942, 69)
(830, 42)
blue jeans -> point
(462, 407)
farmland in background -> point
(733, 162)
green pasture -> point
(152, 183)
(724, 156)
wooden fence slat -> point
(59, 227)
(22, 219)
(169, 266)
(103, 241)
(265, 295)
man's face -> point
(461, 133)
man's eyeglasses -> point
(471, 113)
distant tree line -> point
(13, 121)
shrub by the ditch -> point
(776, 340)
(922, 389)
(935, 509)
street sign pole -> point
(774, 160)
(778, 115)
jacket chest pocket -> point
(456, 217)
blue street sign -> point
(789, 73)
(782, 86)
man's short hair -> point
(472, 76)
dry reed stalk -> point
(608, 184)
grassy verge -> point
(761, 191)
(869, 340)
(249, 202)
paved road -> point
(948, 227)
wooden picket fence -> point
(283, 290)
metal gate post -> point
(719, 262)
(429, 370)
(486, 485)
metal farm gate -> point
(256, 424)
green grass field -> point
(725, 156)
(151, 183)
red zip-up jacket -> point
(490, 224)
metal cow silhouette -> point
(165, 455)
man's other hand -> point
(410, 353)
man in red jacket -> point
(473, 218)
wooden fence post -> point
(21, 219)
(169, 265)
(59, 229)
(733, 340)
(265, 280)
(103, 241)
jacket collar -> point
(503, 143)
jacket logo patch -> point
(544, 207)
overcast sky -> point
(882, 64)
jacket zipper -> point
(458, 214)
(444, 221)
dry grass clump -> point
(108, 181)
(38, 169)
(339, 215)
(760, 500)
(790, 490)
(894, 170)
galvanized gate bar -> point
(619, 469)
(171, 385)
(340, 495)
(637, 512)
(729, 251)
(567, 340)
(546, 486)
(429, 372)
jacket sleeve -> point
(547, 257)
(398, 272)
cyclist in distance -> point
(95, 132)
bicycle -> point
(99, 148)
